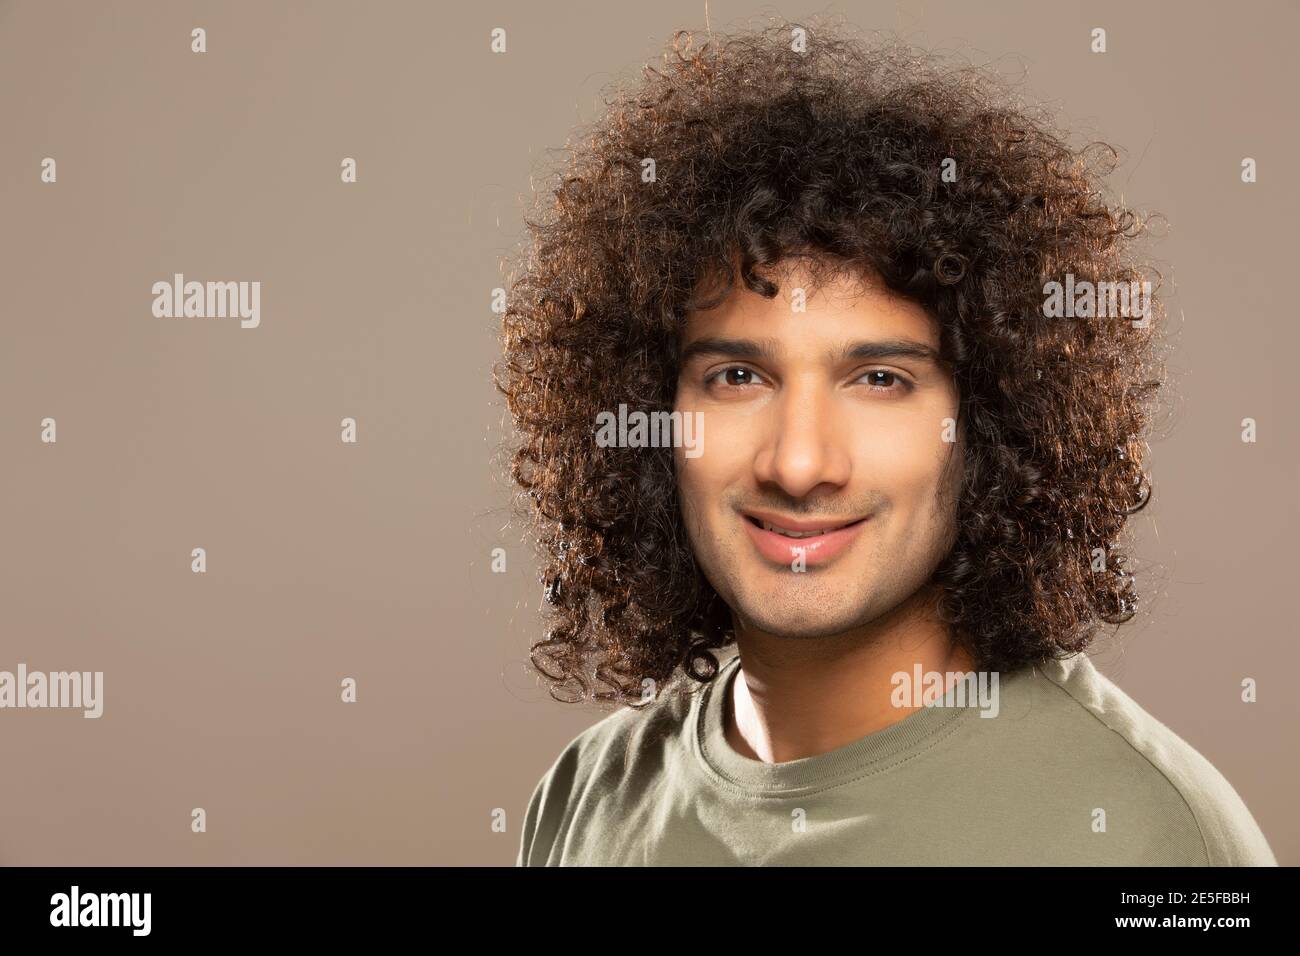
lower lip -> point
(817, 549)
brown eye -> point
(885, 383)
(733, 376)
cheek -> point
(693, 481)
(904, 457)
(725, 460)
(702, 480)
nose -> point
(804, 442)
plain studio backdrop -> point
(373, 561)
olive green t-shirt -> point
(1067, 771)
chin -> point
(803, 618)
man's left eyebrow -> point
(893, 348)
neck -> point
(799, 697)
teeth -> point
(795, 534)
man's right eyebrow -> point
(727, 348)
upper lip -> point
(800, 524)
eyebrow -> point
(765, 349)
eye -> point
(733, 376)
(883, 380)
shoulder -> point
(1176, 784)
(597, 762)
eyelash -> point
(905, 385)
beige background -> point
(372, 561)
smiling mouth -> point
(796, 533)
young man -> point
(890, 489)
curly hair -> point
(760, 151)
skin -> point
(805, 432)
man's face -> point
(815, 422)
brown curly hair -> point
(761, 151)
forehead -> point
(836, 308)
